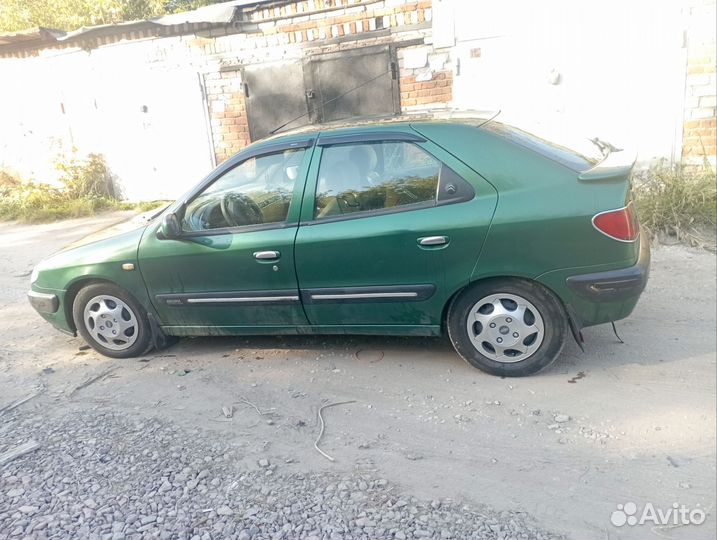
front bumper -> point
(44, 302)
(614, 285)
(49, 306)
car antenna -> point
(282, 126)
(484, 122)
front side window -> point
(372, 177)
(257, 191)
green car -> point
(502, 240)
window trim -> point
(230, 165)
(373, 213)
(369, 137)
(470, 192)
(238, 230)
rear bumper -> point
(614, 285)
(44, 302)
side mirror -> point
(170, 228)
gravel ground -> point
(102, 475)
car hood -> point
(136, 223)
(89, 254)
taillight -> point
(620, 224)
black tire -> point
(550, 308)
(143, 339)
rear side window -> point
(374, 177)
(573, 159)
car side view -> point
(503, 241)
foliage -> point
(85, 177)
(72, 14)
(85, 191)
(677, 201)
(146, 206)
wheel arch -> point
(486, 279)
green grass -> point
(146, 206)
(69, 208)
(39, 203)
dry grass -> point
(678, 202)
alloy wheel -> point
(111, 322)
(505, 327)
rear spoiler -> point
(616, 166)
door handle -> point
(433, 240)
(266, 255)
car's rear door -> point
(391, 227)
(232, 269)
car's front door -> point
(392, 226)
(232, 268)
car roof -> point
(468, 117)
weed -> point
(677, 201)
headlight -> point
(35, 274)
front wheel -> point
(507, 327)
(111, 321)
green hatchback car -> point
(504, 241)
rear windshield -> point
(578, 160)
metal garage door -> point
(359, 82)
(274, 96)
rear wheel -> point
(111, 321)
(507, 327)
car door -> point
(392, 226)
(232, 268)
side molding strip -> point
(244, 298)
(397, 293)
(390, 293)
(241, 299)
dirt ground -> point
(641, 422)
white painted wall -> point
(95, 101)
(611, 68)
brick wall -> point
(418, 92)
(311, 20)
(294, 30)
(227, 113)
(700, 125)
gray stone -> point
(27, 509)
(224, 511)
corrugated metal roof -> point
(30, 35)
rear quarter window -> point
(577, 160)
